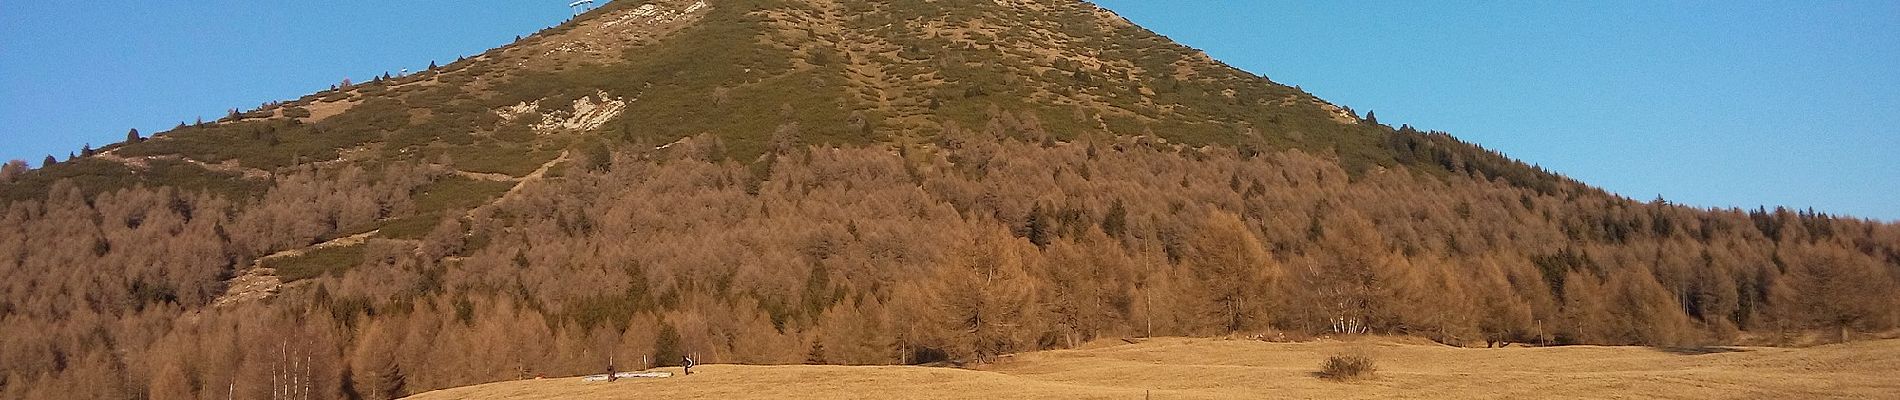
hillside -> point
(756, 74)
(845, 182)
(1237, 369)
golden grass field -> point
(1178, 368)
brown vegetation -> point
(12, 169)
(1175, 368)
(865, 256)
(1341, 367)
(1008, 186)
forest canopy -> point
(872, 256)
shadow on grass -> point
(1696, 351)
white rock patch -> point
(509, 113)
(589, 113)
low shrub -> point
(318, 262)
(413, 227)
(456, 192)
(1341, 367)
(296, 112)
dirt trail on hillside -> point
(521, 182)
(144, 162)
(500, 177)
(259, 282)
(1244, 369)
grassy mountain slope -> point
(758, 72)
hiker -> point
(686, 362)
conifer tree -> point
(1234, 269)
(983, 299)
(666, 347)
(12, 170)
(1115, 222)
(375, 373)
(1037, 228)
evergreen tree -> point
(1037, 229)
(12, 169)
(1116, 221)
(666, 347)
(132, 136)
(49, 161)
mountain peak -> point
(756, 74)
(861, 71)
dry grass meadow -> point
(1177, 368)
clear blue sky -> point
(1729, 103)
(74, 72)
(1708, 103)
